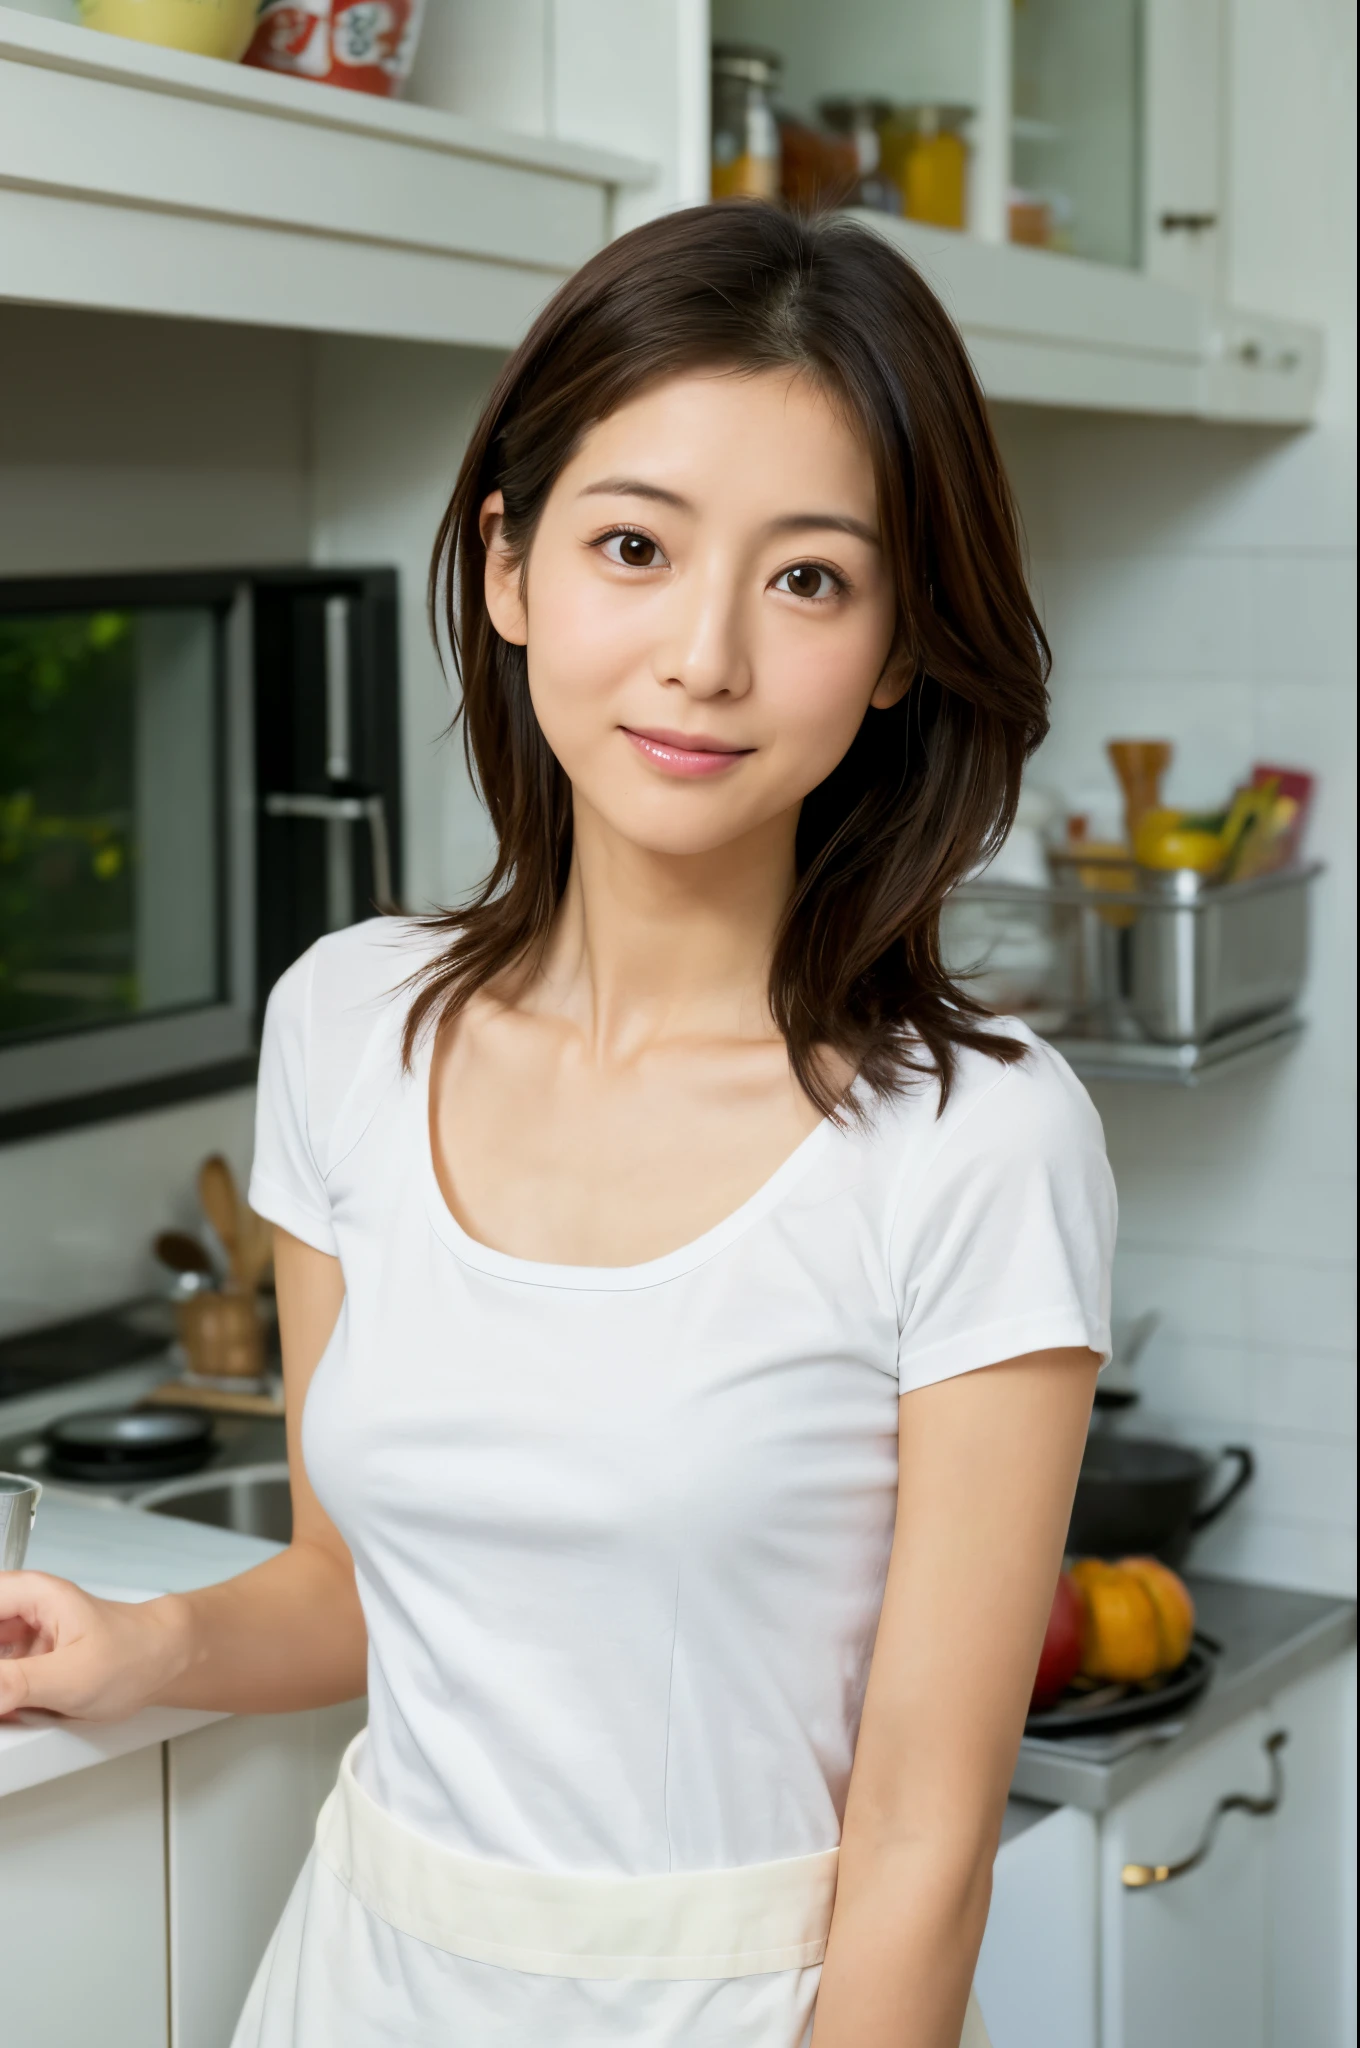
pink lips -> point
(679, 753)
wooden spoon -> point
(222, 1205)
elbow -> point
(949, 1862)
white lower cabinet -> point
(242, 1801)
(1253, 1947)
(82, 1909)
(1184, 1963)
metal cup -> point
(19, 1499)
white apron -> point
(756, 1920)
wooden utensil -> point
(222, 1205)
(1140, 766)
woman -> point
(691, 1300)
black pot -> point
(1138, 1496)
(129, 1446)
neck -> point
(649, 946)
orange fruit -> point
(1175, 1609)
(1122, 1639)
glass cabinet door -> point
(1084, 127)
(1076, 128)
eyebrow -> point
(791, 522)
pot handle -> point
(1246, 1470)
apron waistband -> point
(741, 1922)
(744, 1922)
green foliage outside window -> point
(67, 807)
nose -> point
(705, 652)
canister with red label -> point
(366, 45)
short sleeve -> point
(286, 1185)
(1003, 1243)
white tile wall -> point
(1198, 583)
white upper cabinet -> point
(140, 179)
(1054, 166)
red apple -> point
(1060, 1658)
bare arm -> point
(288, 1634)
(988, 1467)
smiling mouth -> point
(681, 753)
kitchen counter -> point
(1268, 1636)
(123, 1555)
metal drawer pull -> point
(345, 810)
(1136, 1877)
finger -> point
(60, 1682)
(15, 1690)
(18, 1638)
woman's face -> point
(706, 607)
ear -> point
(503, 580)
(892, 686)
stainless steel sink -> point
(253, 1499)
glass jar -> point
(929, 153)
(745, 162)
(862, 122)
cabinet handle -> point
(1136, 1877)
(1187, 223)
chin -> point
(679, 823)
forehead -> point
(762, 438)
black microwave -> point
(199, 775)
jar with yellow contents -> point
(925, 148)
(745, 158)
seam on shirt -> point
(670, 1699)
(945, 1142)
(308, 1063)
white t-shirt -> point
(621, 1532)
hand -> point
(96, 1660)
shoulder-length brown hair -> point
(928, 789)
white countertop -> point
(121, 1554)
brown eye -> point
(807, 580)
(632, 550)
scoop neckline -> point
(603, 1279)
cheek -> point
(819, 686)
(581, 647)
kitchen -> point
(1180, 430)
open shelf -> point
(139, 179)
(1181, 1066)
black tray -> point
(1095, 1713)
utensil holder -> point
(222, 1334)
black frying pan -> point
(1138, 1496)
(123, 1446)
